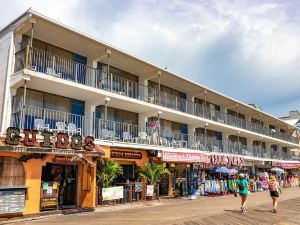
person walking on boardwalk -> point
(242, 184)
(274, 188)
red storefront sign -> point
(288, 165)
(184, 157)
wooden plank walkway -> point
(203, 211)
(288, 214)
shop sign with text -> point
(125, 154)
(112, 193)
(63, 160)
(227, 160)
(286, 165)
(181, 157)
(63, 144)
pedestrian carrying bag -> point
(241, 186)
(273, 187)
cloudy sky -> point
(247, 49)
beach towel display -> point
(215, 187)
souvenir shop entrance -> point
(182, 181)
(185, 170)
(58, 189)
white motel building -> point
(55, 78)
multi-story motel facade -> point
(57, 83)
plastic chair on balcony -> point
(154, 138)
(72, 129)
(164, 142)
(60, 126)
(195, 144)
(104, 134)
(126, 136)
(112, 135)
(143, 137)
(50, 71)
(39, 124)
(175, 143)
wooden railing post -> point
(26, 65)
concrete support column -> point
(143, 90)
(143, 119)
(190, 108)
(225, 136)
(268, 149)
(89, 123)
(250, 146)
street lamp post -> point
(158, 120)
(205, 133)
(106, 101)
(238, 139)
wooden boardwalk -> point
(203, 211)
(288, 214)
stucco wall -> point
(5, 42)
(86, 184)
(140, 162)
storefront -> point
(38, 175)
(130, 160)
(185, 173)
(291, 175)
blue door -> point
(184, 130)
(77, 110)
(80, 70)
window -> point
(170, 127)
(117, 115)
(234, 138)
(210, 133)
(259, 144)
(54, 102)
(258, 122)
(233, 113)
(166, 89)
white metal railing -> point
(45, 119)
(45, 62)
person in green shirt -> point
(242, 185)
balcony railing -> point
(53, 65)
(28, 117)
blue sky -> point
(246, 49)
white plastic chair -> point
(143, 136)
(126, 136)
(60, 126)
(39, 124)
(104, 133)
(72, 129)
(111, 135)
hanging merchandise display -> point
(217, 187)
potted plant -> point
(107, 172)
(153, 173)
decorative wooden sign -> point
(125, 154)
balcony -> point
(53, 65)
(28, 117)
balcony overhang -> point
(52, 84)
(182, 150)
